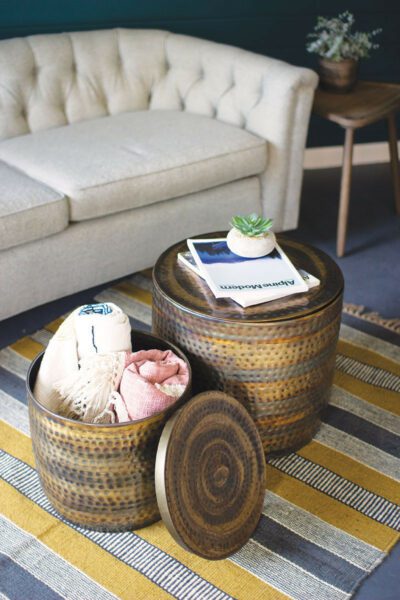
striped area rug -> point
(331, 511)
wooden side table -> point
(367, 103)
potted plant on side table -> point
(339, 50)
(251, 236)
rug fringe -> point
(359, 311)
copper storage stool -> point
(276, 358)
(200, 464)
(99, 476)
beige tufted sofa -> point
(114, 144)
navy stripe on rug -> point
(13, 385)
(368, 373)
(318, 561)
(17, 583)
(363, 430)
(127, 546)
(349, 493)
(373, 329)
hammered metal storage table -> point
(277, 358)
(96, 475)
(199, 465)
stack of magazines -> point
(247, 281)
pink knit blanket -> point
(150, 383)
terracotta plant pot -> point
(339, 77)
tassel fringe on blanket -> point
(85, 343)
(89, 373)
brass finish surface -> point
(100, 476)
(184, 289)
(210, 476)
(277, 359)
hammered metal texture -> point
(99, 476)
(280, 368)
(210, 476)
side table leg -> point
(345, 191)
(394, 160)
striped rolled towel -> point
(102, 329)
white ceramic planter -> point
(250, 247)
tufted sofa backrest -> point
(53, 80)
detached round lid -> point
(210, 475)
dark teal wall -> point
(272, 27)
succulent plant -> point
(252, 225)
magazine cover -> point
(244, 300)
(227, 273)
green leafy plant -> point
(334, 40)
(252, 225)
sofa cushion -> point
(29, 210)
(115, 163)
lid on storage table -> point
(210, 475)
(180, 287)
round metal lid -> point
(210, 475)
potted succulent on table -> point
(251, 236)
(339, 49)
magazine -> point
(187, 259)
(227, 273)
(251, 281)
(310, 280)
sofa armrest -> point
(281, 116)
(266, 96)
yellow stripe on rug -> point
(380, 397)
(54, 325)
(330, 510)
(367, 356)
(133, 291)
(232, 578)
(353, 470)
(16, 443)
(117, 577)
(27, 347)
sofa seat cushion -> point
(29, 210)
(116, 163)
